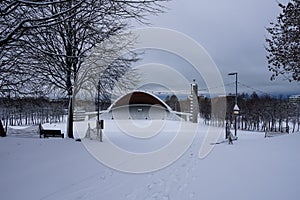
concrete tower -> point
(194, 105)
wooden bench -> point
(50, 132)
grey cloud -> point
(233, 33)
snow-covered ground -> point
(253, 167)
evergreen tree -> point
(283, 45)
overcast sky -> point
(233, 33)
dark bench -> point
(50, 132)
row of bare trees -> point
(32, 111)
(257, 113)
(64, 47)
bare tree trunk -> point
(70, 118)
(2, 131)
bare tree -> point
(108, 62)
(108, 69)
(15, 77)
(56, 53)
(19, 16)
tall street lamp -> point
(236, 108)
(99, 123)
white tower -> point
(194, 105)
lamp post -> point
(98, 101)
(98, 125)
(236, 109)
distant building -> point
(139, 105)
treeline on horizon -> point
(20, 111)
(257, 113)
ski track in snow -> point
(253, 167)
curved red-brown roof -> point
(139, 97)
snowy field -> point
(253, 167)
